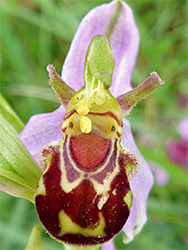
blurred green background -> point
(35, 33)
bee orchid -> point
(95, 182)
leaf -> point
(19, 173)
(9, 115)
(54, 20)
(174, 213)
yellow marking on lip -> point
(41, 189)
(128, 199)
(68, 226)
(46, 158)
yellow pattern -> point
(85, 124)
(128, 199)
(68, 226)
(41, 190)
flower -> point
(178, 149)
(115, 21)
(161, 177)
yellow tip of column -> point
(85, 124)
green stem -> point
(69, 247)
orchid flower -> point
(95, 182)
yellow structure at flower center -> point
(92, 95)
(82, 108)
(85, 124)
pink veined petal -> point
(141, 184)
(124, 41)
(108, 246)
(42, 129)
(183, 128)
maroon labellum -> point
(84, 196)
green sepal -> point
(63, 91)
(9, 115)
(19, 173)
(35, 241)
(99, 62)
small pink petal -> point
(42, 129)
(124, 40)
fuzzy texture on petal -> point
(141, 184)
(108, 246)
(117, 22)
(42, 129)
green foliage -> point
(36, 33)
(8, 114)
(19, 173)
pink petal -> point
(161, 177)
(108, 246)
(42, 129)
(183, 128)
(124, 41)
(141, 184)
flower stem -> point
(69, 247)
